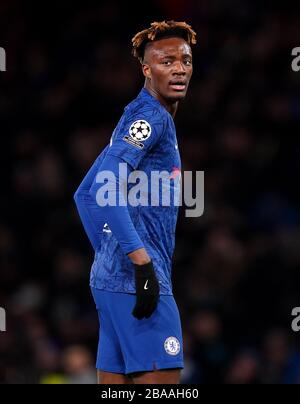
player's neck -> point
(171, 107)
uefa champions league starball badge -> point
(140, 130)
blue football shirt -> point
(145, 139)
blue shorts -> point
(127, 345)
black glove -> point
(147, 291)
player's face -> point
(168, 65)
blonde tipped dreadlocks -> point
(159, 30)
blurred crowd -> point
(236, 271)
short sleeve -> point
(137, 133)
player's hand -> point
(147, 291)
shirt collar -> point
(144, 93)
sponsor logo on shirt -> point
(106, 229)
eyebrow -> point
(185, 55)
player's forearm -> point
(117, 216)
(120, 223)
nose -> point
(179, 68)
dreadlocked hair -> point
(159, 30)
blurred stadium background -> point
(236, 269)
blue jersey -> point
(145, 139)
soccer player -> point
(140, 332)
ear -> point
(146, 70)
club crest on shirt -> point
(172, 346)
